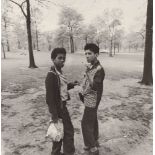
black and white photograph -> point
(76, 77)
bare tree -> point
(133, 41)
(61, 36)
(88, 33)
(37, 39)
(71, 20)
(112, 33)
(49, 38)
(118, 39)
(6, 24)
(19, 34)
(99, 38)
(147, 71)
(110, 22)
(3, 49)
(4, 19)
(36, 18)
(27, 16)
(142, 34)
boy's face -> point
(90, 56)
(59, 60)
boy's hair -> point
(92, 47)
(57, 51)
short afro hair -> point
(92, 47)
(57, 51)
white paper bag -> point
(55, 131)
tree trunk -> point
(118, 47)
(49, 47)
(147, 70)
(3, 50)
(7, 41)
(28, 22)
(105, 45)
(86, 40)
(114, 48)
(129, 48)
(110, 53)
(37, 39)
(19, 46)
(8, 46)
(71, 44)
(75, 47)
(34, 46)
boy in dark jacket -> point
(56, 98)
(91, 96)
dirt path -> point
(125, 116)
(125, 111)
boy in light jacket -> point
(91, 96)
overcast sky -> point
(134, 11)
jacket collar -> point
(53, 68)
(94, 65)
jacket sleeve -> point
(98, 79)
(51, 96)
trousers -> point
(68, 140)
(90, 129)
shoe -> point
(85, 153)
(59, 153)
(94, 151)
(86, 148)
(68, 154)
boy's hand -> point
(56, 124)
(53, 120)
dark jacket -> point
(98, 81)
(53, 98)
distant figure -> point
(91, 96)
(56, 97)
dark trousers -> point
(90, 127)
(68, 140)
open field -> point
(125, 111)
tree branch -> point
(23, 3)
(23, 9)
(14, 2)
(141, 34)
(54, 3)
(20, 5)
